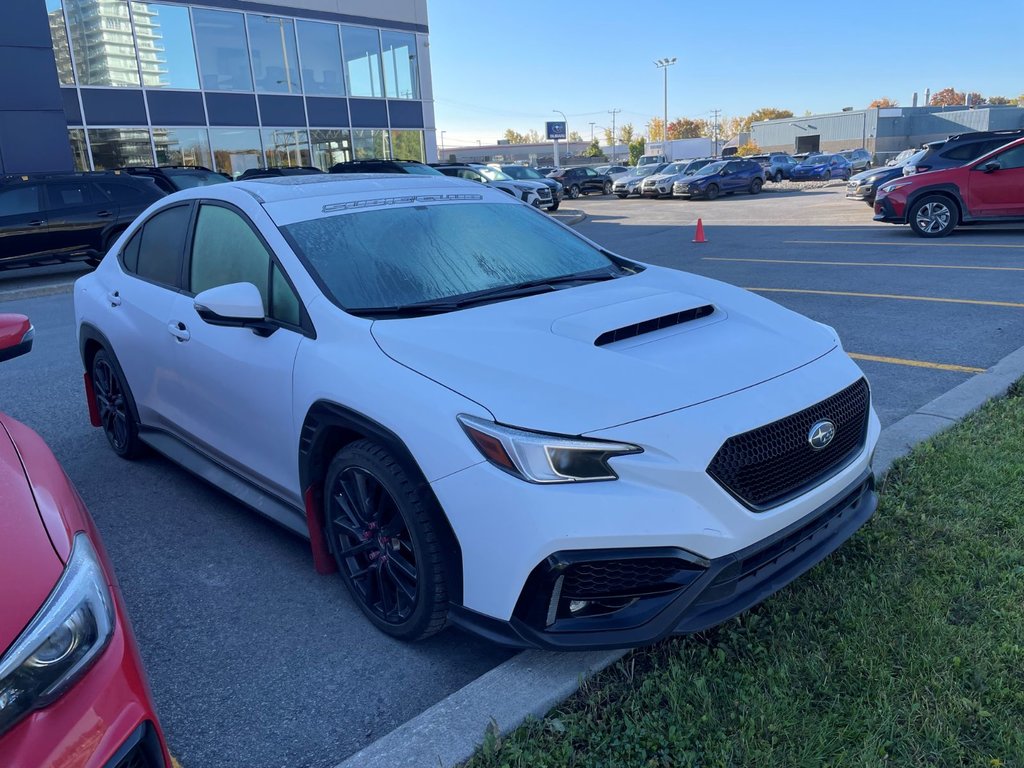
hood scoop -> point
(654, 324)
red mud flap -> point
(90, 398)
(323, 561)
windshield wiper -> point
(437, 306)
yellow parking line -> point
(864, 264)
(1015, 305)
(897, 242)
(174, 762)
(916, 363)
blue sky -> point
(508, 64)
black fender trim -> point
(89, 334)
(327, 427)
(951, 190)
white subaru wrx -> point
(475, 414)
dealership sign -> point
(556, 130)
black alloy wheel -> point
(777, 178)
(933, 216)
(827, 176)
(607, 190)
(574, 191)
(112, 402)
(383, 536)
(755, 186)
(711, 192)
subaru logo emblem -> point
(821, 434)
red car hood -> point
(29, 565)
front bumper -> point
(887, 210)
(861, 192)
(105, 720)
(695, 595)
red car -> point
(72, 688)
(987, 190)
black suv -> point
(385, 166)
(959, 150)
(582, 181)
(174, 178)
(45, 219)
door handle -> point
(114, 297)
(36, 223)
(179, 331)
(104, 214)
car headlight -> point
(523, 188)
(887, 188)
(63, 640)
(540, 458)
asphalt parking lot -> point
(254, 659)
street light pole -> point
(567, 145)
(441, 158)
(592, 124)
(664, 64)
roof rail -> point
(37, 176)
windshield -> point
(645, 170)
(816, 160)
(404, 255)
(674, 168)
(187, 179)
(520, 172)
(421, 170)
(710, 169)
(493, 174)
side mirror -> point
(991, 165)
(16, 334)
(236, 305)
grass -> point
(905, 648)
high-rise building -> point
(221, 83)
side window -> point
(161, 246)
(969, 151)
(466, 173)
(122, 193)
(227, 250)
(19, 200)
(69, 194)
(130, 254)
(1011, 158)
(590, 172)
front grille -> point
(611, 578)
(774, 463)
(544, 193)
(136, 758)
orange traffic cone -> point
(699, 238)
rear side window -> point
(124, 193)
(971, 150)
(161, 246)
(69, 194)
(130, 254)
(20, 200)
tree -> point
(1000, 101)
(532, 137)
(765, 113)
(636, 149)
(609, 139)
(686, 128)
(512, 137)
(656, 129)
(947, 97)
(594, 150)
(575, 136)
(883, 103)
(627, 133)
(730, 127)
(750, 148)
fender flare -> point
(952, 190)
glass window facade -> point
(285, 148)
(235, 150)
(120, 147)
(167, 56)
(275, 62)
(222, 47)
(182, 146)
(172, 46)
(320, 48)
(102, 43)
(400, 67)
(362, 60)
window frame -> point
(305, 326)
(52, 204)
(137, 232)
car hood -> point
(533, 362)
(817, 167)
(27, 558)
(883, 174)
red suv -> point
(987, 190)
(72, 688)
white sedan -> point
(476, 415)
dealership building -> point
(227, 84)
(884, 132)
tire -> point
(574, 191)
(777, 178)
(607, 188)
(383, 532)
(755, 186)
(933, 216)
(621, 196)
(116, 407)
(553, 207)
(711, 192)
(827, 176)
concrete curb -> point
(32, 292)
(533, 682)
